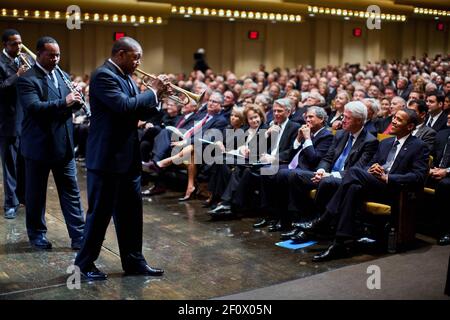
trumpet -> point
(187, 94)
(24, 60)
(67, 82)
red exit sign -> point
(118, 35)
(253, 35)
(357, 32)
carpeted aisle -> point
(419, 274)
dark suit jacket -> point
(440, 123)
(297, 116)
(360, 155)
(372, 127)
(286, 142)
(427, 135)
(382, 124)
(411, 164)
(210, 129)
(113, 144)
(10, 113)
(47, 130)
(439, 146)
(311, 156)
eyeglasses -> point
(213, 101)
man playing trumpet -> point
(113, 159)
(11, 68)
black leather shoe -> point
(444, 240)
(77, 243)
(313, 225)
(41, 242)
(153, 191)
(300, 237)
(220, 208)
(145, 270)
(289, 234)
(261, 223)
(277, 227)
(93, 274)
(335, 251)
(11, 213)
(150, 167)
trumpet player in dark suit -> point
(113, 160)
(11, 68)
(47, 144)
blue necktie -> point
(340, 162)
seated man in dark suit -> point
(312, 143)
(352, 147)
(437, 116)
(439, 178)
(423, 132)
(399, 161)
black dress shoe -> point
(289, 234)
(335, 251)
(444, 240)
(220, 208)
(300, 237)
(93, 274)
(261, 223)
(77, 243)
(41, 242)
(313, 225)
(277, 227)
(151, 166)
(153, 191)
(145, 270)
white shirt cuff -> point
(307, 143)
(336, 174)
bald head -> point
(125, 44)
(126, 53)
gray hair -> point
(317, 96)
(319, 112)
(357, 109)
(219, 95)
(266, 100)
(374, 105)
(285, 102)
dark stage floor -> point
(202, 259)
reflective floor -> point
(202, 258)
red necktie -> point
(197, 127)
(181, 122)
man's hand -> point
(273, 129)
(378, 172)
(438, 173)
(161, 85)
(306, 132)
(267, 158)
(220, 145)
(72, 98)
(336, 125)
(181, 143)
(22, 70)
(319, 175)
